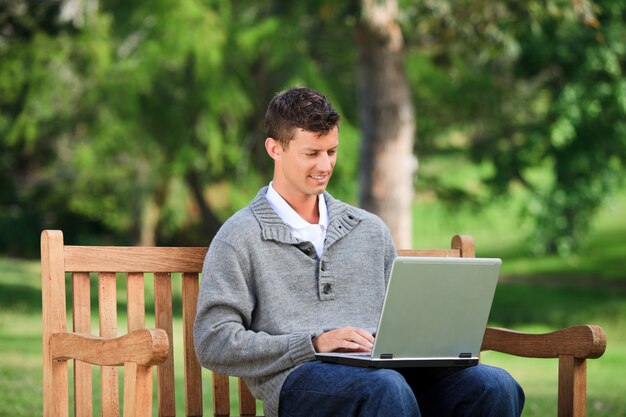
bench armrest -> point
(582, 342)
(145, 347)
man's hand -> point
(346, 339)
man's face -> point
(304, 168)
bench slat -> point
(133, 259)
(107, 304)
(221, 395)
(450, 253)
(247, 402)
(135, 301)
(81, 318)
(163, 316)
(134, 376)
(193, 370)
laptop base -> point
(369, 362)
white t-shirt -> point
(300, 228)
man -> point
(298, 272)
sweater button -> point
(323, 266)
(328, 288)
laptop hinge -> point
(465, 355)
(386, 356)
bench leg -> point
(572, 386)
(137, 390)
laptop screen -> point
(436, 307)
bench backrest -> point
(164, 268)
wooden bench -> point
(139, 350)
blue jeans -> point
(323, 389)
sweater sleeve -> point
(223, 339)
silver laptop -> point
(434, 314)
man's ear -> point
(273, 148)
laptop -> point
(434, 314)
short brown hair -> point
(299, 107)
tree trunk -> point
(210, 222)
(387, 120)
(151, 215)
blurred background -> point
(141, 123)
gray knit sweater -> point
(264, 295)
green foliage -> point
(584, 122)
(145, 120)
(546, 89)
(45, 66)
(142, 121)
(143, 107)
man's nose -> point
(324, 162)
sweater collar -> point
(289, 215)
(342, 219)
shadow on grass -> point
(599, 261)
(20, 298)
(556, 306)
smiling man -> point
(298, 272)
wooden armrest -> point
(144, 347)
(585, 341)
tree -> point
(178, 110)
(571, 117)
(533, 86)
(580, 72)
(46, 62)
(387, 119)
(196, 98)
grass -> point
(537, 294)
